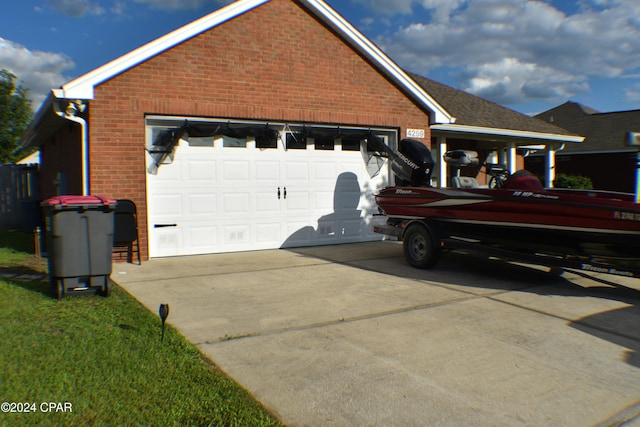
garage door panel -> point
(168, 205)
(324, 171)
(267, 202)
(298, 200)
(236, 204)
(236, 236)
(297, 171)
(169, 176)
(167, 241)
(203, 237)
(203, 204)
(199, 170)
(268, 172)
(298, 233)
(323, 200)
(235, 172)
(268, 235)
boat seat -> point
(465, 182)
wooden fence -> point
(19, 197)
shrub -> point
(573, 181)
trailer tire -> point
(419, 248)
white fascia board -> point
(44, 110)
(82, 87)
(373, 53)
(520, 134)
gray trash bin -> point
(79, 241)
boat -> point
(517, 218)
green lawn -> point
(103, 359)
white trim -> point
(372, 52)
(82, 87)
(453, 128)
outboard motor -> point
(412, 163)
(461, 158)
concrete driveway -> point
(352, 336)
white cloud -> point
(77, 8)
(511, 51)
(633, 93)
(510, 80)
(38, 71)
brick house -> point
(605, 156)
(246, 129)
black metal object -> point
(125, 236)
(163, 311)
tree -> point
(15, 115)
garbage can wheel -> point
(106, 289)
(58, 288)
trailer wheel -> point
(419, 248)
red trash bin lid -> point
(78, 200)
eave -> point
(502, 135)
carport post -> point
(633, 140)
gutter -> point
(71, 113)
(509, 133)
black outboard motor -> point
(412, 164)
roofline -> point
(43, 111)
(374, 54)
(508, 133)
(83, 86)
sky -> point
(527, 55)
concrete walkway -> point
(352, 336)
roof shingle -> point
(471, 110)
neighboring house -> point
(604, 157)
(498, 134)
(247, 130)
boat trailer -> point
(423, 245)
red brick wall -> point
(275, 62)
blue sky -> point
(528, 55)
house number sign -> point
(415, 133)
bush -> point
(573, 181)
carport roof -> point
(477, 116)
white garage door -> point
(225, 195)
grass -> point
(104, 357)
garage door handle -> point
(285, 192)
(164, 225)
(278, 193)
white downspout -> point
(70, 113)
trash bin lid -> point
(78, 200)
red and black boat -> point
(519, 219)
